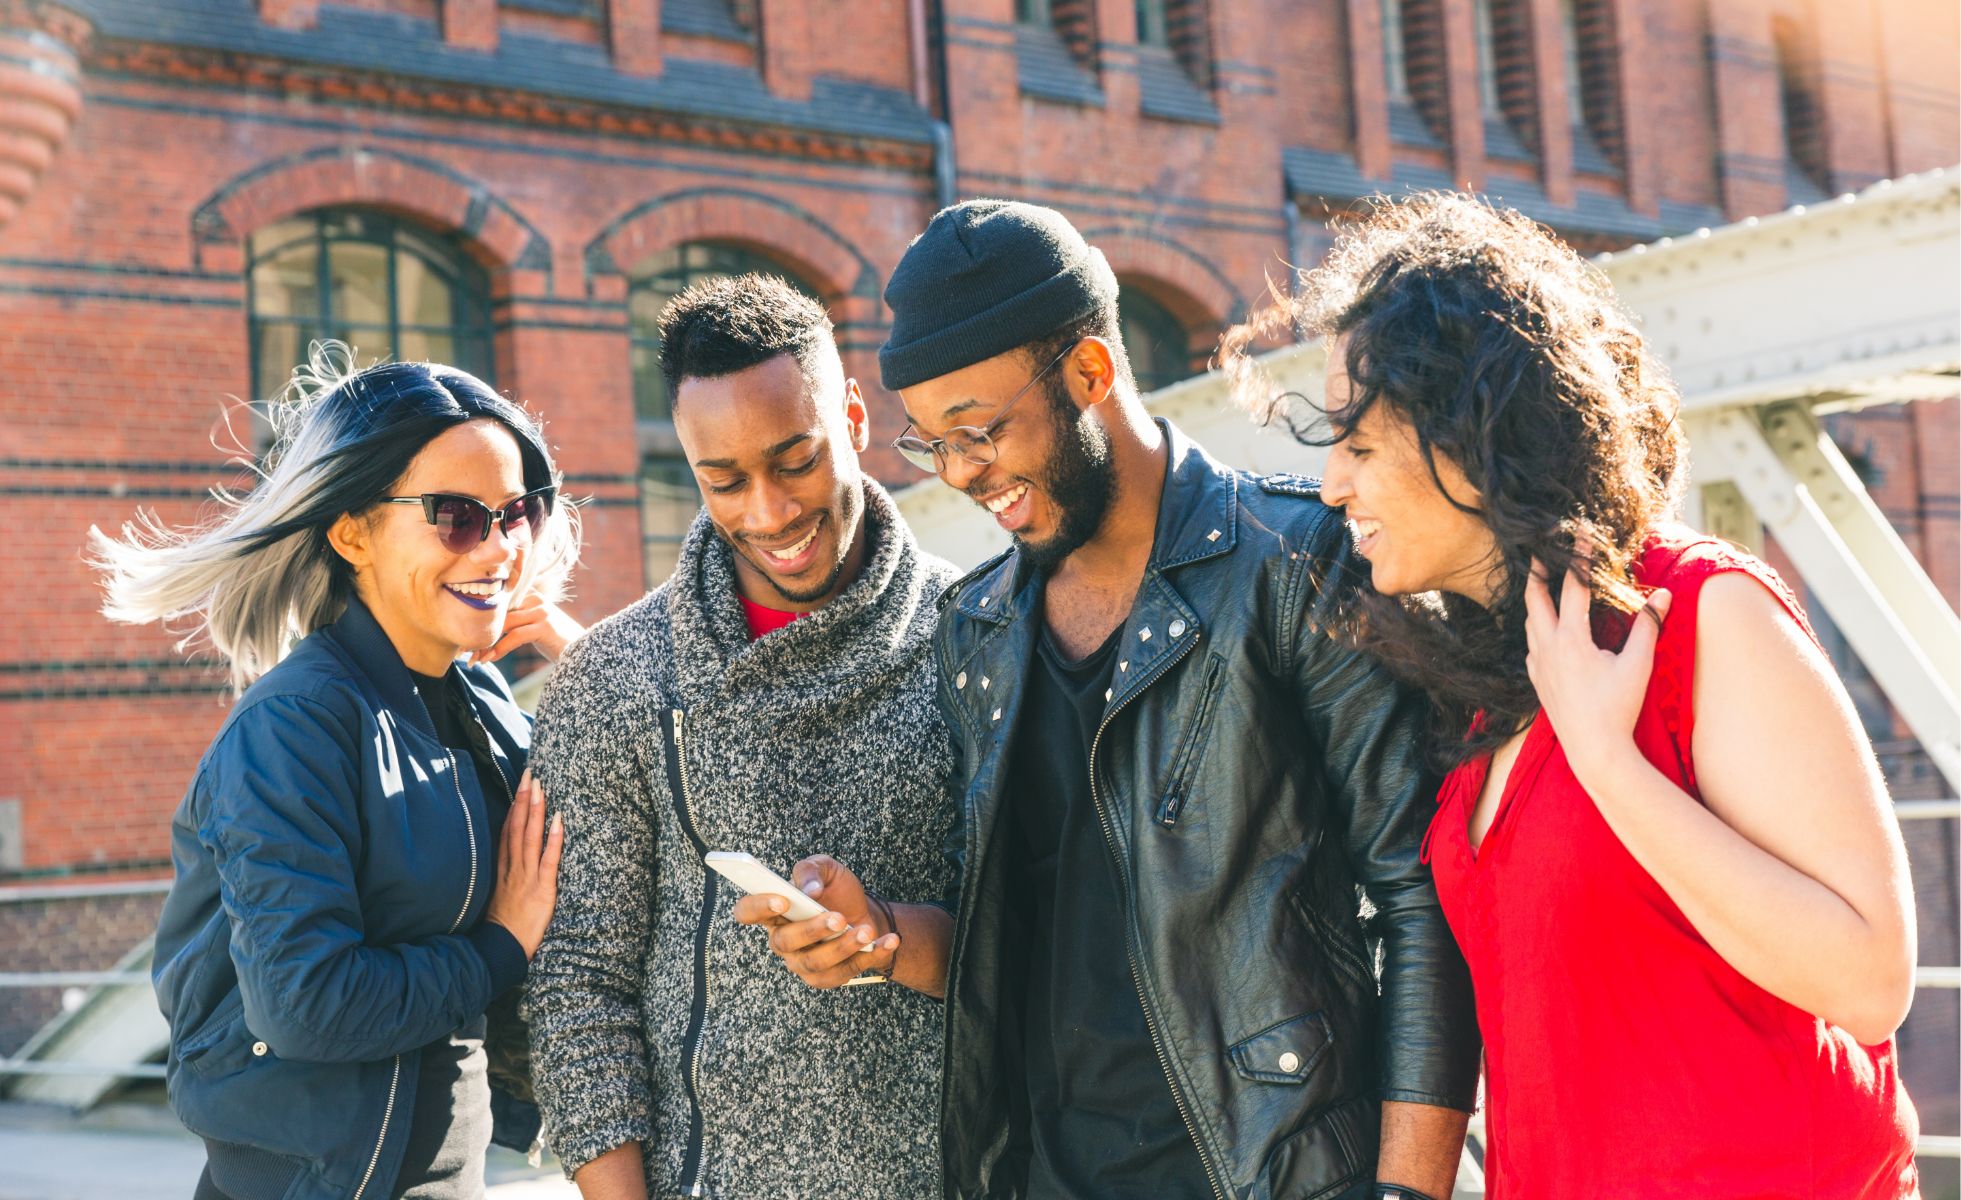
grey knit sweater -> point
(822, 736)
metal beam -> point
(1877, 594)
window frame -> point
(443, 255)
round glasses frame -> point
(971, 443)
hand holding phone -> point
(758, 880)
(809, 951)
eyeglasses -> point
(463, 524)
(974, 445)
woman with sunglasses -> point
(362, 863)
(1663, 842)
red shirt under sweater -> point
(763, 619)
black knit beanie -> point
(987, 276)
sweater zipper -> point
(692, 1161)
(1123, 874)
(469, 894)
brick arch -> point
(1179, 278)
(802, 242)
(336, 176)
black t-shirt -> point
(1102, 1121)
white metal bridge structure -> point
(1767, 325)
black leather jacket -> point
(1249, 774)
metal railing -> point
(28, 894)
(1933, 1145)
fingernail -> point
(834, 922)
(813, 887)
(864, 934)
(776, 904)
(558, 822)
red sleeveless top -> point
(1623, 1056)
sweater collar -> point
(853, 633)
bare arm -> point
(615, 1175)
(1421, 1145)
(1792, 868)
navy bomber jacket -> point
(333, 861)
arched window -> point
(669, 498)
(1157, 342)
(387, 288)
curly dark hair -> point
(1509, 355)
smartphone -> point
(758, 880)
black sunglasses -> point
(463, 524)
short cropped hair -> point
(721, 326)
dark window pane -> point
(649, 389)
(669, 500)
(473, 354)
(1157, 342)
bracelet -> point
(892, 926)
(1396, 1191)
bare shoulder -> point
(1742, 625)
(1756, 664)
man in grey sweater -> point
(774, 696)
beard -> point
(1079, 482)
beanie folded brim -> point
(1027, 316)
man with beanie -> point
(774, 696)
(1192, 951)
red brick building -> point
(190, 189)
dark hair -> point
(262, 573)
(729, 324)
(1510, 356)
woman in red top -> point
(1663, 843)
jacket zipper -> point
(394, 1081)
(469, 894)
(1187, 762)
(693, 1161)
(1123, 873)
